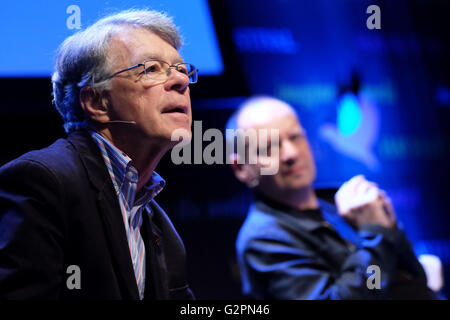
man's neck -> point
(145, 156)
(301, 199)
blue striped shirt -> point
(125, 177)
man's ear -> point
(94, 104)
(245, 173)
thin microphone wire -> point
(91, 125)
(120, 121)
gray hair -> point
(82, 59)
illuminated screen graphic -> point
(31, 31)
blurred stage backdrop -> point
(373, 101)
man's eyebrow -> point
(157, 57)
(147, 57)
(300, 133)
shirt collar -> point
(123, 173)
(311, 219)
(154, 186)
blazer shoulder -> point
(57, 164)
(53, 157)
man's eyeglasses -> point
(158, 70)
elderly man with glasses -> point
(78, 219)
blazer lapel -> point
(156, 286)
(109, 210)
(117, 238)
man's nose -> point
(177, 81)
(288, 152)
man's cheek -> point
(270, 164)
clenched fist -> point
(361, 202)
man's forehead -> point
(267, 113)
(173, 59)
(285, 124)
(139, 44)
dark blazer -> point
(291, 254)
(58, 208)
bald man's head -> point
(287, 149)
(258, 111)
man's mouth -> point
(176, 109)
(297, 169)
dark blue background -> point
(320, 57)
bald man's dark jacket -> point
(58, 208)
(284, 253)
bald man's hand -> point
(361, 202)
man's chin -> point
(181, 126)
(296, 184)
(180, 135)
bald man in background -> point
(294, 245)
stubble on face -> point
(296, 163)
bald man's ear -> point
(94, 103)
(245, 173)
